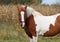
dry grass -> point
(46, 9)
(8, 12)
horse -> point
(35, 24)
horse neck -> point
(31, 11)
(28, 11)
(36, 13)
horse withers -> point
(38, 24)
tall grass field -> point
(10, 30)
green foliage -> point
(25, 1)
(40, 1)
(18, 1)
(7, 1)
(15, 1)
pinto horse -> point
(34, 23)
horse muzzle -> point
(22, 24)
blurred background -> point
(10, 30)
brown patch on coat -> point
(54, 30)
(30, 26)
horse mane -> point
(31, 11)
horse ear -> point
(18, 7)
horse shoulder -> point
(31, 26)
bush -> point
(19, 1)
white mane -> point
(31, 11)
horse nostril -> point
(22, 24)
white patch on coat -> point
(34, 39)
(43, 22)
(31, 40)
(22, 18)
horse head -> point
(22, 15)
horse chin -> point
(22, 27)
